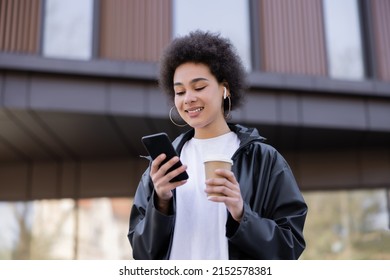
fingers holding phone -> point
(162, 175)
(162, 179)
(167, 171)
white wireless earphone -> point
(224, 93)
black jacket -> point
(274, 209)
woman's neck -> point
(211, 132)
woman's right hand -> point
(162, 186)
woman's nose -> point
(189, 97)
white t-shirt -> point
(200, 231)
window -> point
(228, 17)
(343, 39)
(68, 29)
(340, 225)
(65, 229)
(347, 225)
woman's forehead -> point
(192, 72)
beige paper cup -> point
(213, 162)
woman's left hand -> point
(229, 190)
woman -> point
(260, 212)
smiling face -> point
(198, 99)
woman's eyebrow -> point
(192, 81)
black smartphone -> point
(159, 143)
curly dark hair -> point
(212, 50)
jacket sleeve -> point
(149, 230)
(274, 211)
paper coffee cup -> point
(213, 162)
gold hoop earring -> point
(228, 115)
(175, 123)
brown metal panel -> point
(307, 47)
(156, 31)
(158, 18)
(26, 23)
(271, 22)
(386, 39)
(165, 30)
(381, 11)
(319, 36)
(131, 33)
(119, 21)
(285, 48)
(268, 41)
(32, 30)
(14, 25)
(123, 44)
(134, 30)
(292, 37)
(313, 39)
(3, 8)
(127, 29)
(152, 30)
(298, 57)
(266, 38)
(19, 25)
(294, 32)
(278, 52)
(8, 26)
(114, 31)
(309, 26)
(149, 23)
(271, 46)
(19, 32)
(387, 47)
(130, 30)
(37, 26)
(140, 29)
(104, 17)
(377, 17)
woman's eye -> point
(180, 93)
(200, 88)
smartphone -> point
(159, 143)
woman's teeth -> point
(195, 111)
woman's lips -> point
(193, 112)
